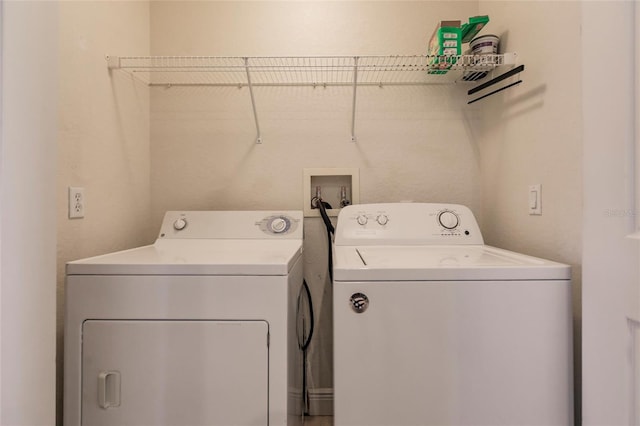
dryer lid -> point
(196, 257)
(435, 263)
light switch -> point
(535, 197)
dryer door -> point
(175, 373)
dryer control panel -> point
(407, 224)
(232, 225)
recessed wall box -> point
(337, 186)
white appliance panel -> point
(196, 256)
(407, 224)
(175, 373)
(440, 262)
(234, 225)
(271, 298)
(454, 353)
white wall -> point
(610, 276)
(531, 134)
(413, 142)
(1, 202)
(27, 226)
(103, 137)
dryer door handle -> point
(109, 389)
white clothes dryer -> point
(432, 327)
(197, 329)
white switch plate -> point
(76, 202)
(535, 199)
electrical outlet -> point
(76, 202)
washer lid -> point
(434, 263)
(196, 257)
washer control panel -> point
(407, 223)
(232, 225)
(278, 224)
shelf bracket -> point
(113, 62)
(253, 101)
(353, 106)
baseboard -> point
(321, 402)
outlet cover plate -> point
(76, 202)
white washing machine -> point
(197, 329)
(432, 327)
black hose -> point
(330, 231)
(305, 343)
(322, 206)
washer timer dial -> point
(279, 225)
(448, 219)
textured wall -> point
(103, 137)
(532, 134)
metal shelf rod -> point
(253, 102)
(353, 107)
(320, 84)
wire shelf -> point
(305, 71)
(314, 71)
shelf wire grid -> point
(304, 70)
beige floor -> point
(318, 421)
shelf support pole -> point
(353, 106)
(253, 101)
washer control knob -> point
(382, 219)
(362, 219)
(278, 225)
(448, 219)
(180, 224)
